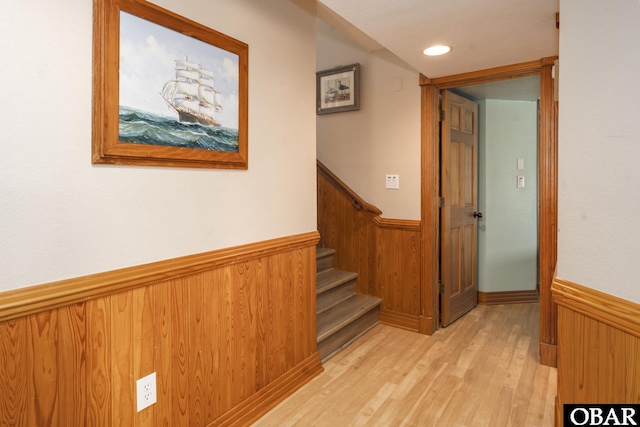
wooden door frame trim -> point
(547, 181)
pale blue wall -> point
(507, 236)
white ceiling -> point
(483, 34)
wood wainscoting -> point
(598, 347)
(384, 252)
(229, 333)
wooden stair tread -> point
(342, 314)
(330, 279)
(321, 252)
(324, 259)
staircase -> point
(342, 315)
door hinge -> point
(441, 202)
(441, 115)
(441, 287)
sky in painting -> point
(147, 61)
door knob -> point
(477, 214)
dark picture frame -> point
(338, 89)
(184, 118)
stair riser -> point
(334, 296)
(335, 342)
(324, 263)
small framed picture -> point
(338, 89)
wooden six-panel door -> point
(459, 188)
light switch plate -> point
(520, 164)
(392, 182)
(521, 182)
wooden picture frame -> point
(167, 91)
(338, 89)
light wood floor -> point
(481, 371)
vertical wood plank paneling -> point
(241, 326)
(398, 272)
(307, 279)
(611, 364)
(215, 338)
(122, 365)
(227, 341)
(252, 331)
(179, 356)
(72, 368)
(270, 331)
(43, 357)
(14, 373)
(162, 334)
(211, 338)
(196, 349)
(286, 265)
(369, 284)
(143, 346)
(278, 324)
(262, 320)
(632, 377)
(299, 330)
(565, 355)
(99, 383)
(386, 258)
(586, 368)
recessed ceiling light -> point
(436, 50)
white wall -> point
(383, 137)
(508, 232)
(599, 145)
(62, 217)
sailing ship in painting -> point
(192, 95)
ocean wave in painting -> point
(141, 127)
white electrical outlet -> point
(146, 391)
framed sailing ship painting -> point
(167, 91)
(338, 89)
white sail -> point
(207, 73)
(206, 82)
(206, 95)
(187, 64)
(186, 88)
(217, 101)
(187, 74)
(190, 105)
(192, 95)
(169, 90)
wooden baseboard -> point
(508, 297)
(549, 355)
(400, 320)
(267, 398)
(427, 325)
